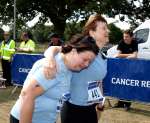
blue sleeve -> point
(42, 81)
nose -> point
(86, 64)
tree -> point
(58, 11)
(136, 10)
(71, 29)
(41, 32)
(115, 34)
(1, 35)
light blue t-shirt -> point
(79, 83)
(46, 104)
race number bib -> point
(94, 93)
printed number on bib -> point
(94, 93)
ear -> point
(91, 33)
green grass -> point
(139, 113)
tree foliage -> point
(136, 10)
(1, 35)
(41, 32)
(115, 34)
(71, 29)
(58, 11)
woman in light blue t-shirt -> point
(39, 97)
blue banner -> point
(128, 79)
(21, 65)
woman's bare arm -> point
(130, 55)
(28, 95)
(52, 51)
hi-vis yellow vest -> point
(29, 44)
(7, 49)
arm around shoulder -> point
(52, 51)
(50, 63)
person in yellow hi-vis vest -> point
(7, 49)
(27, 45)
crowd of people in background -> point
(8, 48)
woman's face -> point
(100, 34)
(24, 36)
(78, 61)
(6, 36)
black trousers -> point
(13, 119)
(6, 67)
(71, 113)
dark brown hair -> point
(91, 24)
(81, 43)
(129, 32)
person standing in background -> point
(27, 45)
(128, 48)
(7, 49)
(54, 40)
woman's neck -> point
(65, 57)
(100, 44)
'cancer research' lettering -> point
(24, 70)
(130, 82)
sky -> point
(122, 25)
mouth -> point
(107, 36)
